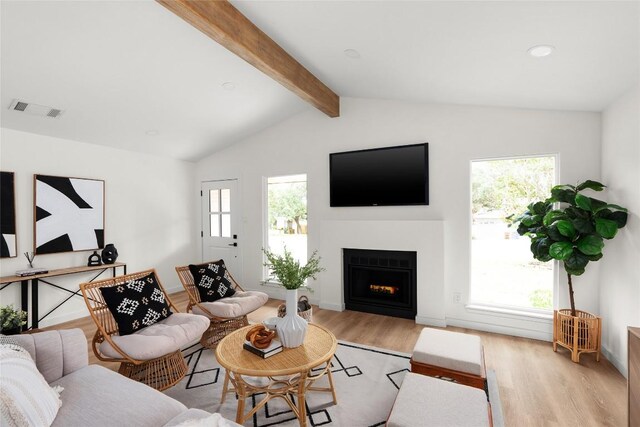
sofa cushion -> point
(212, 280)
(159, 339)
(241, 304)
(212, 420)
(26, 399)
(450, 350)
(96, 396)
(188, 415)
(56, 353)
(136, 304)
(436, 402)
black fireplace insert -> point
(380, 282)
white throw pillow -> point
(25, 397)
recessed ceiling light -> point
(152, 132)
(541, 51)
(352, 53)
(229, 85)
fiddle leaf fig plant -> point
(571, 227)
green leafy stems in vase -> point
(288, 271)
(11, 320)
(571, 227)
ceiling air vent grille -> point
(35, 109)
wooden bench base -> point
(457, 376)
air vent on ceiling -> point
(35, 109)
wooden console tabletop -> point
(61, 272)
(33, 281)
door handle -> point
(233, 244)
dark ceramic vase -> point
(109, 254)
(14, 331)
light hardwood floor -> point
(537, 386)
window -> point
(220, 212)
(503, 270)
(287, 216)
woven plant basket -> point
(579, 334)
(306, 314)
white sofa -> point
(96, 396)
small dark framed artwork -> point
(8, 245)
(68, 214)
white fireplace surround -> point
(426, 238)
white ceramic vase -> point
(292, 328)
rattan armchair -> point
(220, 326)
(159, 372)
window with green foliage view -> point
(503, 271)
(287, 216)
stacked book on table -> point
(274, 348)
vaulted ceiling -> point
(132, 75)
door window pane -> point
(214, 200)
(226, 225)
(225, 200)
(503, 270)
(215, 225)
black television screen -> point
(390, 176)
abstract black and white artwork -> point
(69, 214)
(7, 215)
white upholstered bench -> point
(452, 355)
(424, 400)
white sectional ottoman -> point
(427, 401)
(453, 355)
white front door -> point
(220, 223)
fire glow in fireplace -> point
(380, 282)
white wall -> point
(149, 211)
(619, 272)
(456, 134)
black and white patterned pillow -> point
(136, 304)
(212, 281)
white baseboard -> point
(62, 318)
(620, 365)
(500, 329)
(331, 306)
(431, 321)
(174, 290)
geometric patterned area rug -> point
(366, 381)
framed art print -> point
(8, 245)
(69, 214)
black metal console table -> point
(37, 278)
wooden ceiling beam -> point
(221, 21)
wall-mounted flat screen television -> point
(389, 176)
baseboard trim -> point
(431, 321)
(500, 329)
(62, 318)
(620, 366)
(331, 306)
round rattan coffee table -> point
(289, 372)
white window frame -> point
(265, 223)
(504, 309)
